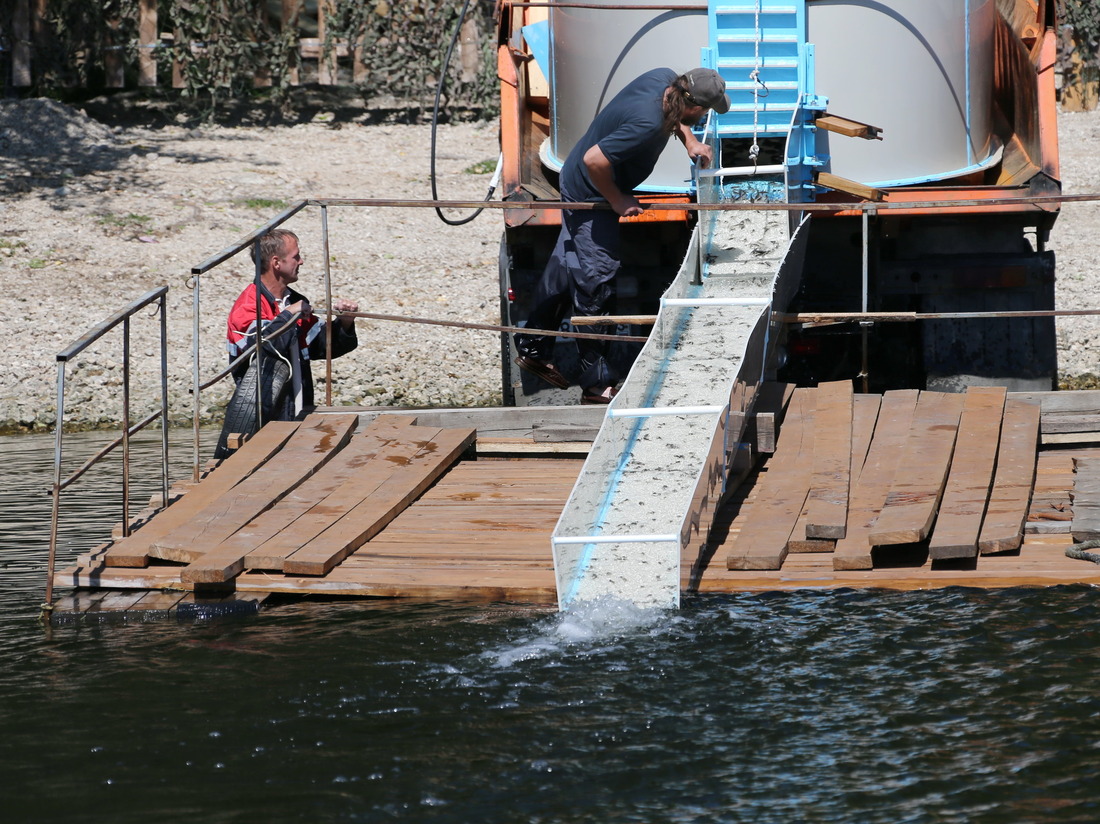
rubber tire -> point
(240, 413)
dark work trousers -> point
(580, 274)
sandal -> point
(592, 396)
(547, 371)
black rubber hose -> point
(435, 123)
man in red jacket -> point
(280, 260)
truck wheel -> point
(240, 413)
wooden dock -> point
(910, 490)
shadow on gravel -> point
(44, 143)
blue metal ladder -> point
(759, 47)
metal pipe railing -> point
(95, 333)
(196, 333)
(865, 209)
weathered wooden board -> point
(915, 493)
(1006, 512)
(827, 509)
(367, 519)
(762, 543)
(959, 520)
(769, 406)
(865, 410)
(316, 441)
(1086, 499)
(875, 477)
(273, 553)
(227, 558)
(134, 550)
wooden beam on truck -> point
(1007, 510)
(959, 521)
(624, 320)
(848, 127)
(875, 477)
(134, 550)
(315, 442)
(915, 494)
(851, 187)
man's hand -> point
(700, 153)
(301, 306)
(603, 178)
(626, 206)
(703, 156)
(346, 306)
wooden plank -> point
(157, 604)
(851, 187)
(134, 550)
(368, 518)
(848, 127)
(762, 542)
(273, 553)
(769, 405)
(959, 520)
(316, 441)
(915, 494)
(832, 461)
(1002, 529)
(864, 414)
(875, 477)
(115, 602)
(227, 559)
(1086, 499)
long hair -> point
(272, 243)
(675, 103)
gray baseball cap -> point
(707, 88)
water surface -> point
(950, 706)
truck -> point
(936, 118)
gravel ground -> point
(92, 217)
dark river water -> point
(949, 706)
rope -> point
(488, 327)
(754, 76)
(1077, 551)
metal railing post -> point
(196, 389)
(259, 333)
(328, 306)
(56, 484)
(126, 427)
(164, 399)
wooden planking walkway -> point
(929, 460)
(481, 530)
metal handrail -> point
(95, 333)
(196, 272)
(865, 209)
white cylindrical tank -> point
(594, 53)
(921, 70)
